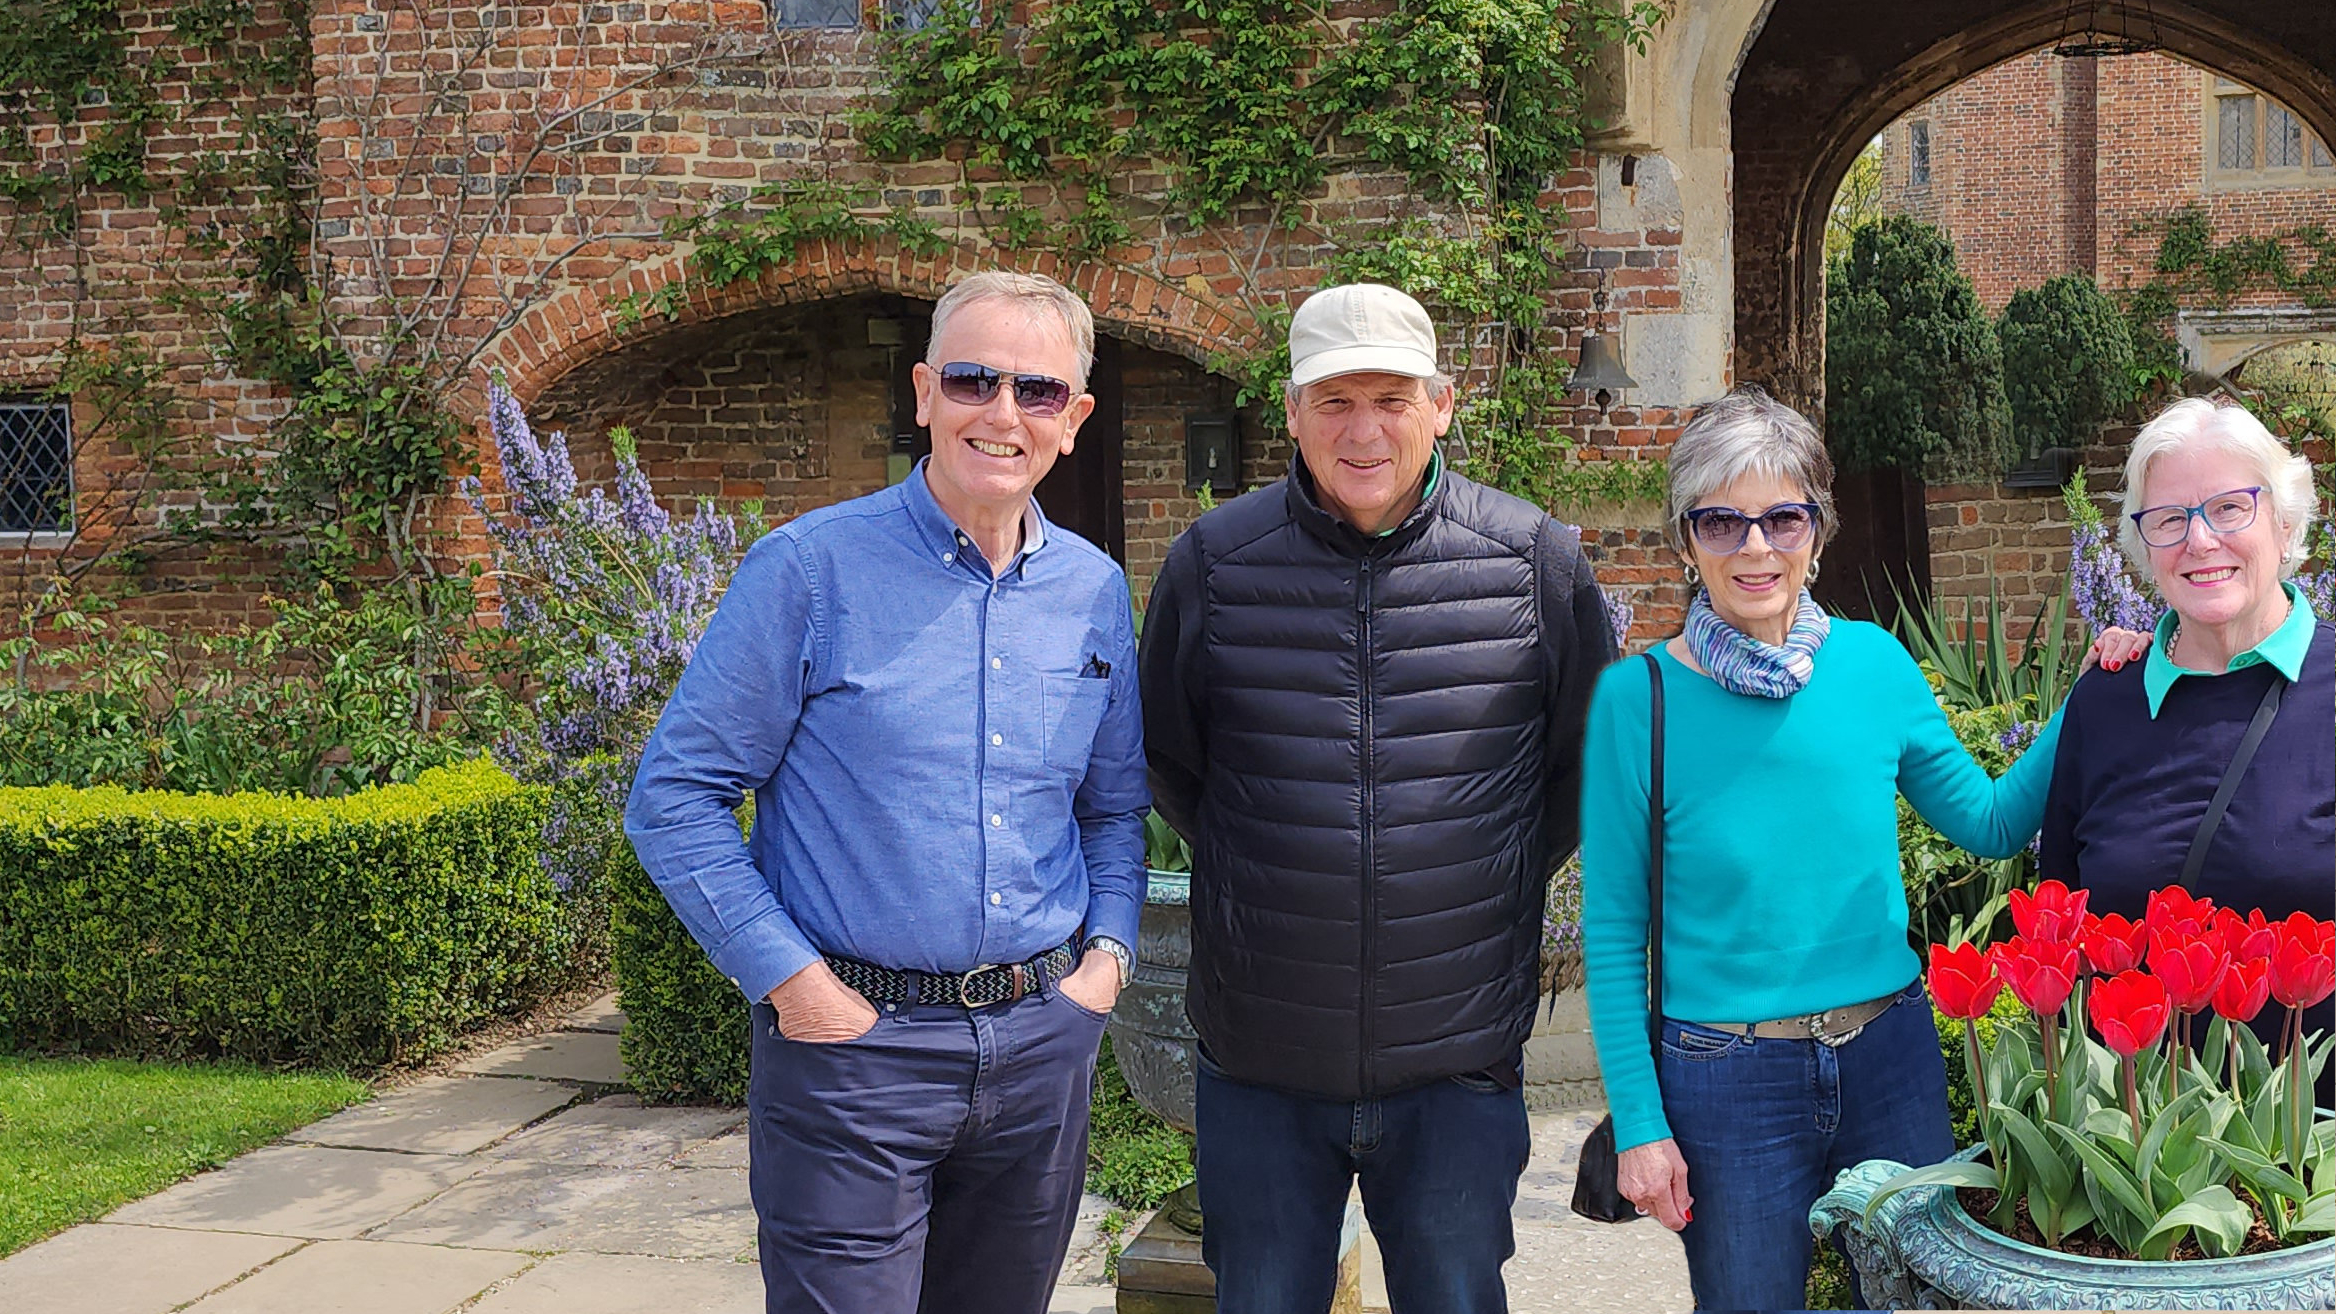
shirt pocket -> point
(1073, 707)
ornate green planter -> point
(1923, 1251)
(1150, 1035)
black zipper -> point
(1370, 810)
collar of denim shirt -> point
(947, 540)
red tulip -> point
(2248, 937)
(2191, 967)
(2130, 1011)
(2172, 909)
(2303, 966)
(2114, 945)
(1963, 982)
(2052, 915)
(2040, 974)
(2244, 988)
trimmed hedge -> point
(341, 932)
(687, 1029)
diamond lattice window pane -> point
(36, 467)
(910, 15)
(2283, 138)
(2320, 156)
(2235, 132)
(815, 13)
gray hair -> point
(1034, 290)
(1744, 433)
(2195, 421)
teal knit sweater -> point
(1782, 891)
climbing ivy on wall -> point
(2192, 268)
(1172, 120)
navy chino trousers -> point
(932, 1165)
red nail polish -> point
(1690, 1215)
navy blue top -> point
(2128, 792)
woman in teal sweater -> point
(1795, 1037)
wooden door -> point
(1883, 550)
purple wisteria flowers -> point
(604, 600)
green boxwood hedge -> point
(686, 1038)
(341, 932)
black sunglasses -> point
(1722, 530)
(969, 384)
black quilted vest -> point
(1370, 860)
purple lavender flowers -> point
(604, 600)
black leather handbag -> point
(1597, 1193)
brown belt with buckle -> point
(1832, 1028)
(990, 983)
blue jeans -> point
(1765, 1125)
(1439, 1166)
(931, 1165)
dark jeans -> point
(1439, 1168)
(934, 1164)
(1766, 1125)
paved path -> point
(529, 1182)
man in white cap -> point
(1364, 690)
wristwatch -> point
(1119, 954)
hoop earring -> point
(1812, 573)
(1694, 575)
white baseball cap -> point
(1359, 328)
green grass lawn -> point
(78, 1137)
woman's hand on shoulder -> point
(1654, 1177)
(2115, 647)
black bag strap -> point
(2265, 713)
(1655, 850)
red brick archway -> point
(586, 322)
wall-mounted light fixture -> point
(1212, 451)
(1599, 371)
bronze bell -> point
(1600, 371)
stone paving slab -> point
(682, 1213)
(366, 1277)
(106, 1268)
(601, 1014)
(628, 1284)
(1084, 1300)
(441, 1115)
(727, 1150)
(617, 1132)
(587, 1056)
(301, 1190)
(1598, 1268)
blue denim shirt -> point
(948, 768)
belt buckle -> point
(1021, 986)
(1828, 1039)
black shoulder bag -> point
(1597, 1194)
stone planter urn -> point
(1922, 1250)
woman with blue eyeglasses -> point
(1794, 1038)
(2217, 513)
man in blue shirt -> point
(930, 692)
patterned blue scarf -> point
(1745, 665)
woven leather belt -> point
(1832, 1028)
(990, 983)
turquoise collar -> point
(2285, 649)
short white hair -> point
(2196, 423)
(1035, 289)
(1744, 433)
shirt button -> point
(996, 899)
(997, 819)
(995, 740)
(948, 557)
(997, 663)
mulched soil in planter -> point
(1978, 1200)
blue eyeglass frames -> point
(2224, 513)
(1723, 529)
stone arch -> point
(585, 322)
(1818, 80)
